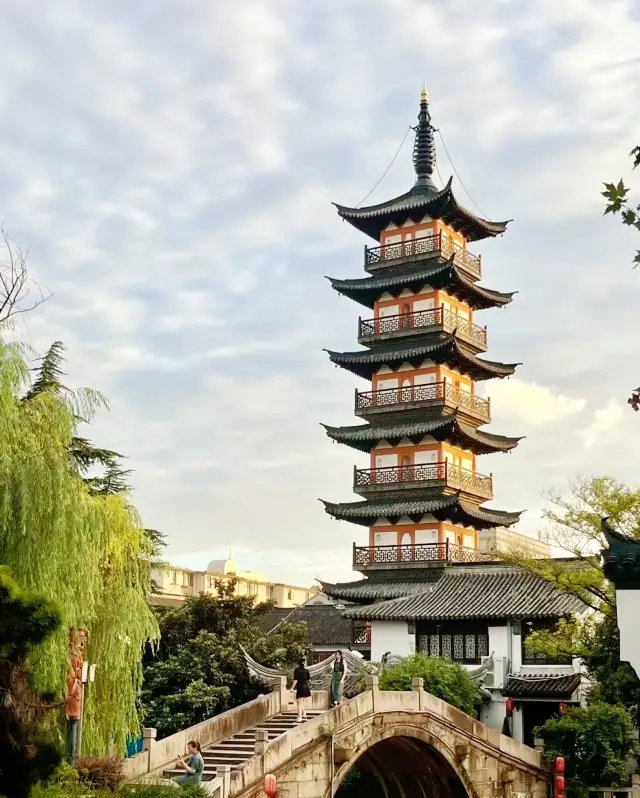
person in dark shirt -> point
(301, 679)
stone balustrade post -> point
(149, 736)
(262, 739)
(372, 683)
(280, 687)
(538, 745)
(417, 686)
(224, 771)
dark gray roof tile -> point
(484, 592)
(519, 686)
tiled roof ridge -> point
(397, 276)
(539, 678)
(435, 421)
(416, 606)
(441, 342)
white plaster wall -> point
(518, 724)
(493, 714)
(516, 651)
(391, 636)
(498, 641)
(627, 602)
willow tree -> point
(83, 549)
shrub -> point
(165, 791)
(442, 678)
(595, 742)
(101, 772)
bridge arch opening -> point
(401, 767)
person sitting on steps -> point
(193, 765)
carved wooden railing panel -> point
(435, 391)
(424, 246)
(441, 317)
(420, 552)
(451, 475)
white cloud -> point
(605, 419)
(173, 177)
(532, 403)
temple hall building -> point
(429, 550)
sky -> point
(170, 167)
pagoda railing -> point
(441, 243)
(420, 552)
(444, 391)
(441, 317)
(445, 472)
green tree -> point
(85, 549)
(442, 678)
(595, 742)
(618, 202)
(575, 519)
(199, 670)
(26, 756)
(617, 196)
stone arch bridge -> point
(410, 745)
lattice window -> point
(464, 641)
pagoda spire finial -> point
(424, 148)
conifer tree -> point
(26, 756)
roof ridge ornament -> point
(424, 147)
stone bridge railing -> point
(314, 753)
(157, 754)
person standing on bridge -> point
(301, 679)
(338, 676)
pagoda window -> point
(460, 641)
(426, 536)
(530, 658)
(387, 310)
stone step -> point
(241, 745)
(226, 753)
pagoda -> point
(423, 494)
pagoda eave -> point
(413, 206)
(450, 508)
(442, 426)
(442, 349)
(367, 290)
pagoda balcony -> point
(420, 555)
(424, 476)
(418, 249)
(406, 325)
(436, 395)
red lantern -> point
(563, 708)
(509, 705)
(559, 766)
(559, 784)
(270, 785)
